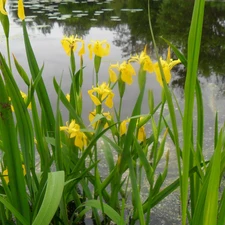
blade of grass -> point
(41, 89)
(194, 43)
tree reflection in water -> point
(170, 19)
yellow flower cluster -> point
(99, 48)
(103, 93)
(73, 129)
(127, 71)
(92, 115)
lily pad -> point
(114, 17)
(125, 10)
(77, 11)
(98, 12)
(81, 15)
(116, 20)
(107, 10)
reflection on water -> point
(128, 22)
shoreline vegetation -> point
(76, 187)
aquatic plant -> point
(69, 180)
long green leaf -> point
(14, 211)
(53, 194)
(110, 212)
(194, 43)
(41, 89)
(211, 201)
(12, 152)
(24, 124)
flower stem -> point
(8, 53)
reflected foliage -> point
(213, 46)
(128, 19)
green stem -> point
(8, 53)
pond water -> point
(124, 24)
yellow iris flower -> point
(126, 70)
(103, 93)
(141, 131)
(123, 127)
(2, 7)
(144, 60)
(5, 174)
(21, 13)
(73, 129)
(99, 48)
(92, 115)
(70, 43)
(167, 66)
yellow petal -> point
(107, 115)
(24, 170)
(127, 71)
(66, 45)
(174, 63)
(166, 71)
(68, 97)
(112, 76)
(106, 49)
(72, 124)
(82, 50)
(123, 127)
(63, 128)
(141, 134)
(148, 65)
(97, 49)
(127, 78)
(109, 100)
(5, 176)
(95, 100)
(78, 142)
(91, 117)
(2, 10)
(90, 51)
(21, 13)
(168, 56)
